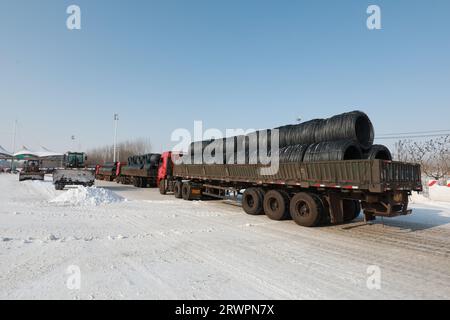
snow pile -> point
(419, 198)
(432, 194)
(46, 188)
(83, 196)
(439, 193)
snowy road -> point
(159, 247)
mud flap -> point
(336, 208)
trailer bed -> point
(375, 176)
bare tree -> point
(433, 155)
(125, 149)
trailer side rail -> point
(372, 175)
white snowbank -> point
(419, 198)
(439, 193)
(82, 196)
(433, 195)
(46, 188)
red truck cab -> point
(165, 166)
(165, 171)
(97, 169)
(119, 167)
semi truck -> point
(312, 194)
(140, 171)
(108, 171)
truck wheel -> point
(352, 209)
(262, 193)
(252, 201)
(186, 191)
(177, 189)
(162, 186)
(59, 186)
(276, 205)
(306, 209)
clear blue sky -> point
(233, 64)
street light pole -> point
(14, 144)
(116, 120)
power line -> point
(414, 136)
(415, 132)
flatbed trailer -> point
(107, 172)
(311, 193)
(141, 178)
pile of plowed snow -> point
(91, 196)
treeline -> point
(124, 149)
(433, 155)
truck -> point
(74, 172)
(31, 171)
(108, 171)
(312, 194)
(48, 165)
(140, 170)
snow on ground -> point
(159, 247)
(439, 193)
(81, 196)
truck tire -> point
(276, 205)
(252, 201)
(352, 209)
(306, 209)
(262, 193)
(59, 186)
(141, 182)
(162, 187)
(186, 191)
(177, 189)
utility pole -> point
(116, 120)
(72, 137)
(14, 144)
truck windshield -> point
(76, 158)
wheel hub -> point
(303, 209)
(273, 204)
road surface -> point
(158, 247)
